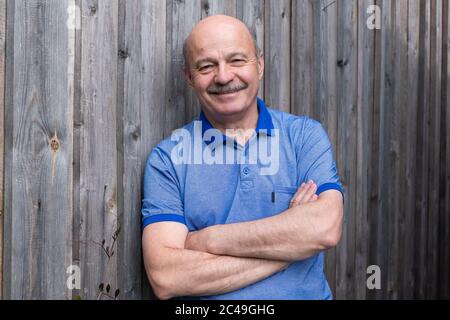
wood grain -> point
(99, 224)
(2, 126)
(277, 57)
(84, 107)
(38, 223)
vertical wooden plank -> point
(77, 125)
(385, 89)
(182, 103)
(303, 56)
(434, 147)
(375, 235)
(445, 160)
(2, 126)
(446, 293)
(393, 72)
(144, 103)
(8, 140)
(397, 142)
(363, 165)
(277, 31)
(100, 230)
(421, 207)
(213, 7)
(251, 12)
(385, 220)
(346, 144)
(408, 150)
(39, 153)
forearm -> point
(295, 234)
(281, 237)
(194, 273)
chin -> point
(229, 108)
(234, 106)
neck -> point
(238, 126)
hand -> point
(305, 193)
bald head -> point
(209, 27)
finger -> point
(300, 198)
(305, 195)
(310, 193)
(294, 200)
(298, 193)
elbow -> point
(160, 286)
(332, 239)
(333, 232)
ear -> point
(260, 66)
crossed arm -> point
(224, 258)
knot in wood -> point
(206, 7)
(54, 143)
(92, 10)
(123, 54)
(342, 63)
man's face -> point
(224, 70)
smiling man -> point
(223, 229)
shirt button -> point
(246, 170)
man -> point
(229, 231)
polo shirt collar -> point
(264, 121)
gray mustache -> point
(229, 88)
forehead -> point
(220, 38)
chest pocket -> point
(281, 197)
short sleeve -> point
(162, 196)
(315, 158)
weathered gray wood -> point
(375, 174)
(408, 151)
(39, 153)
(213, 7)
(303, 57)
(99, 219)
(117, 83)
(445, 222)
(252, 13)
(386, 105)
(144, 105)
(8, 140)
(277, 54)
(363, 166)
(2, 127)
(434, 148)
(422, 172)
(346, 142)
(396, 117)
(389, 149)
(182, 103)
(77, 125)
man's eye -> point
(205, 68)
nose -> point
(224, 74)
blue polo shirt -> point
(190, 178)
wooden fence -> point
(92, 85)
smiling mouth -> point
(227, 92)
